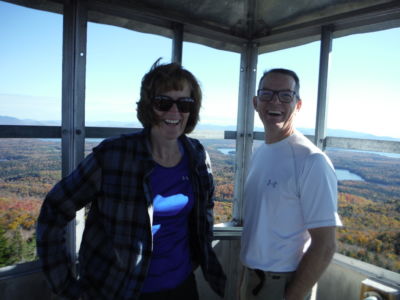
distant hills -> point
(7, 120)
(350, 134)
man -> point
(290, 199)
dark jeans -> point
(187, 290)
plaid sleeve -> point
(212, 269)
(58, 209)
(210, 201)
(215, 274)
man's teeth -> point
(275, 113)
(171, 121)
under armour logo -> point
(272, 183)
(185, 178)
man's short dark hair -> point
(284, 72)
(163, 78)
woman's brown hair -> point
(163, 78)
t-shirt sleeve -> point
(318, 192)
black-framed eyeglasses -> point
(164, 103)
(285, 96)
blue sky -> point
(363, 79)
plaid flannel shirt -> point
(117, 245)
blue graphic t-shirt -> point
(172, 200)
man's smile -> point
(274, 113)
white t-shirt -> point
(291, 187)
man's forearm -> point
(313, 264)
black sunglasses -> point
(164, 103)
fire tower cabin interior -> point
(249, 28)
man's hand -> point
(313, 263)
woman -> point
(150, 221)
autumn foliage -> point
(369, 209)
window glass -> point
(30, 94)
(369, 202)
(218, 74)
(364, 103)
(28, 170)
(31, 66)
(117, 60)
(363, 84)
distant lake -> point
(227, 151)
(343, 174)
(391, 155)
